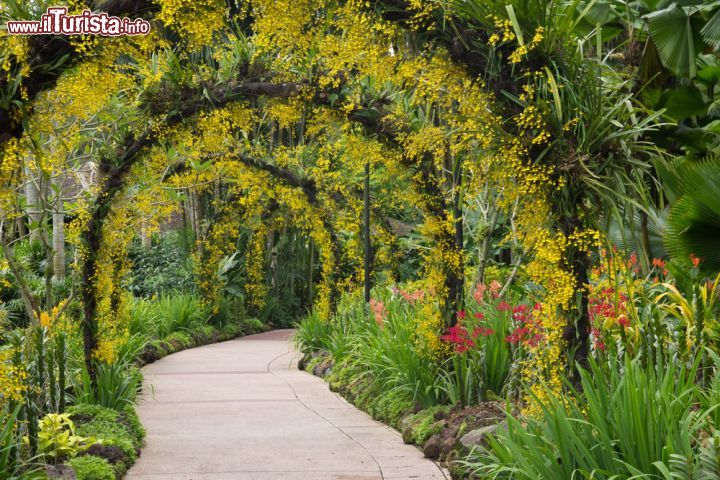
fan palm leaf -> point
(694, 222)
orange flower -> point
(378, 310)
(479, 293)
(695, 259)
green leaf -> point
(599, 13)
(711, 30)
(709, 74)
(685, 102)
(672, 32)
(694, 222)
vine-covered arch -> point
(308, 103)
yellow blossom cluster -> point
(12, 378)
(195, 20)
(429, 323)
(112, 268)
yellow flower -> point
(45, 320)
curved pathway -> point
(241, 410)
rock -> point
(302, 363)
(149, 354)
(60, 472)
(323, 368)
(113, 454)
(488, 421)
(479, 436)
(441, 415)
(451, 431)
(447, 446)
(433, 447)
(406, 428)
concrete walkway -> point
(241, 410)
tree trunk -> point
(577, 333)
(581, 267)
(197, 215)
(32, 200)
(311, 270)
(485, 246)
(274, 265)
(366, 233)
(435, 206)
(29, 300)
(458, 290)
(58, 234)
(645, 242)
(145, 238)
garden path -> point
(241, 410)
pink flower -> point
(495, 288)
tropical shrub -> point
(116, 386)
(57, 438)
(168, 314)
(163, 269)
(625, 420)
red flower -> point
(482, 332)
(479, 316)
(461, 315)
(658, 263)
(536, 339)
(518, 335)
(597, 339)
(520, 313)
(503, 306)
(458, 337)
